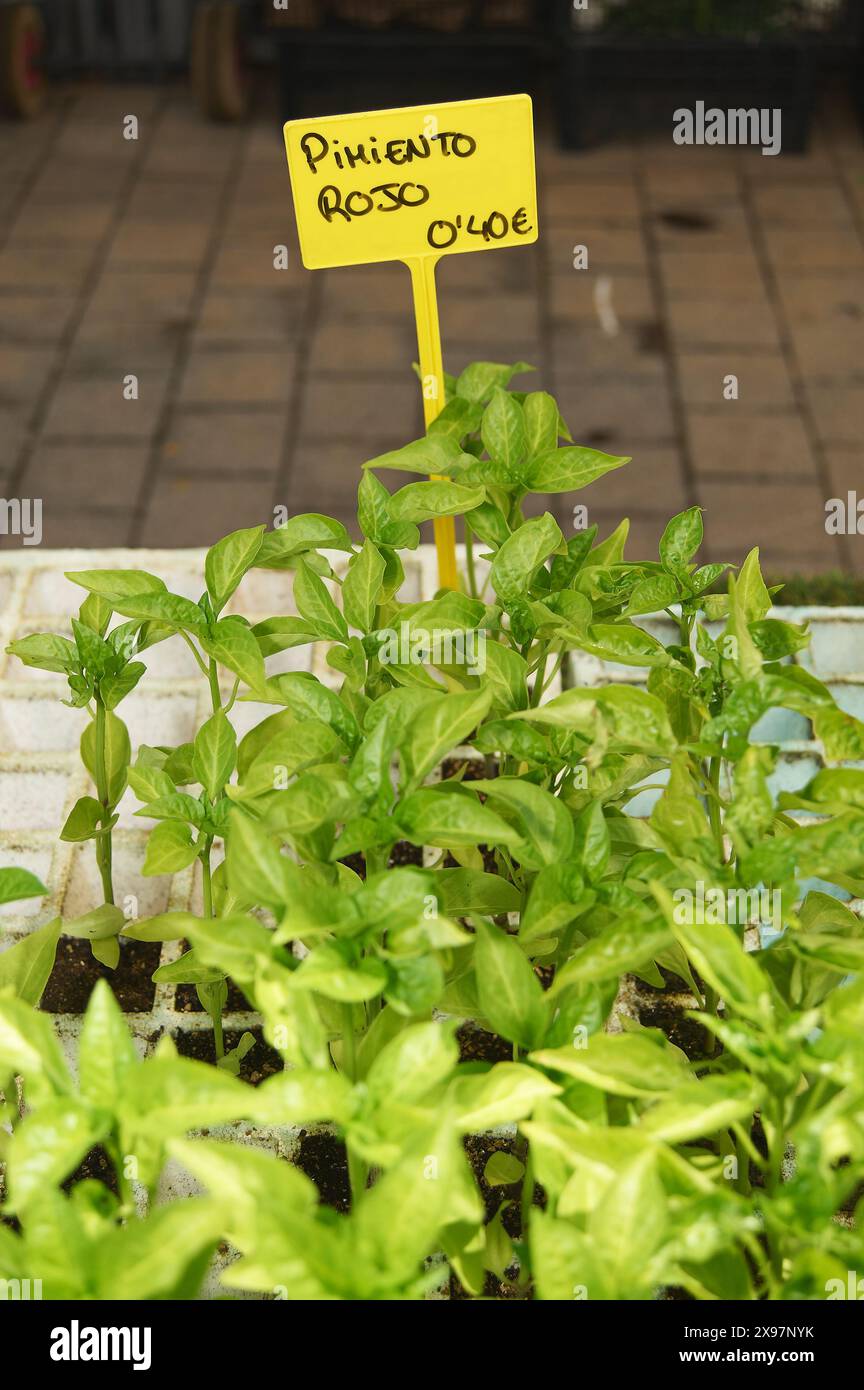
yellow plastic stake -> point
(412, 184)
(422, 270)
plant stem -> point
(526, 1201)
(103, 838)
(714, 804)
(349, 1054)
(357, 1171)
(207, 877)
(469, 559)
(215, 693)
(539, 679)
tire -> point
(23, 88)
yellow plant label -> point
(414, 181)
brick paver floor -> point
(260, 387)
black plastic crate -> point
(362, 53)
(618, 87)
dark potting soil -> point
(494, 1290)
(476, 1045)
(95, 1165)
(479, 1149)
(76, 971)
(467, 769)
(672, 984)
(402, 855)
(322, 1157)
(685, 1033)
(260, 1061)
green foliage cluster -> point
(730, 1169)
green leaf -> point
(565, 1262)
(162, 1258)
(106, 1052)
(232, 644)
(700, 1109)
(503, 432)
(638, 719)
(26, 966)
(228, 560)
(419, 502)
(281, 634)
(436, 452)
(469, 890)
(592, 842)
(438, 818)
(458, 419)
(327, 971)
(624, 1064)
(362, 586)
(49, 1145)
(288, 751)
(28, 1044)
(299, 535)
(678, 815)
(681, 539)
(508, 1092)
(307, 698)
(189, 969)
(626, 643)
(113, 689)
(215, 754)
(503, 1169)
(118, 754)
(544, 820)
(558, 895)
(399, 1220)
(437, 729)
(480, 379)
(540, 413)
(257, 872)
(625, 946)
(117, 583)
(753, 596)
(46, 652)
(720, 958)
(315, 605)
(83, 820)
(16, 884)
(179, 806)
(170, 849)
(412, 1064)
(652, 594)
(630, 1221)
(511, 996)
(569, 468)
(100, 924)
(96, 612)
(522, 554)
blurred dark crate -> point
(633, 64)
(443, 16)
(620, 86)
(392, 52)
